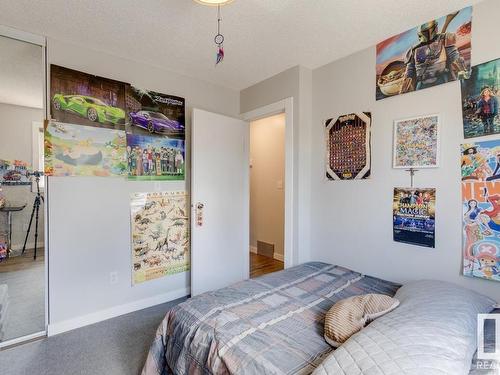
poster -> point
(160, 235)
(414, 216)
(348, 147)
(480, 99)
(14, 172)
(153, 113)
(481, 209)
(85, 99)
(416, 142)
(155, 158)
(431, 54)
(75, 150)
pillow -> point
(349, 315)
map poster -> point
(414, 215)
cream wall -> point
(267, 168)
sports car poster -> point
(85, 99)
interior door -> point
(220, 201)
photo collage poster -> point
(14, 172)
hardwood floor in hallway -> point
(261, 265)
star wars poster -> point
(414, 216)
(14, 172)
(436, 52)
(480, 99)
(153, 113)
(348, 147)
(160, 235)
(481, 209)
(155, 158)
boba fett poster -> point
(160, 235)
(436, 52)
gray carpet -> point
(114, 347)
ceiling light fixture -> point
(214, 2)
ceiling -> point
(263, 37)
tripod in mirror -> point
(35, 211)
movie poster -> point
(155, 158)
(480, 99)
(414, 215)
(14, 172)
(431, 54)
(76, 150)
(348, 147)
(85, 99)
(153, 113)
(160, 235)
(481, 209)
(416, 142)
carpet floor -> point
(117, 346)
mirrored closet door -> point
(22, 253)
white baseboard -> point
(113, 312)
(279, 257)
(253, 249)
(29, 246)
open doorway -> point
(267, 195)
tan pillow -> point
(349, 315)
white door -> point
(220, 201)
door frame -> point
(283, 106)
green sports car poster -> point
(85, 99)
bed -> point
(269, 325)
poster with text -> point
(436, 52)
(86, 99)
(14, 172)
(414, 216)
(153, 113)
(155, 158)
(76, 150)
(480, 161)
(480, 99)
(416, 142)
(160, 235)
(348, 147)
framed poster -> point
(436, 52)
(416, 142)
(348, 153)
(414, 216)
(480, 100)
(14, 172)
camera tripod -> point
(35, 212)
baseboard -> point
(253, 249)
(113, 312)
(279, 257)
(29, 246)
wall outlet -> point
(113, 277)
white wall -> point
(89, 230)
(352, 221)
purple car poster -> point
(155, 158)
(153, 113)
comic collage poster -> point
(14, 172)
(481, 209)
(160, 235)
(348, 147)
(416, 142)
(436, 52)
(414, 216)
(480, 99)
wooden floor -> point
(22, 262)
(260, 265)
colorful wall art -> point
(85, 99)
(414, 216)
(160, 235)
(75, 150)
(480, 100)
(155, 158)
(416, 142)
(348, 147)
(431, 54)
(14, 172)
(481, 209)
(153, 113)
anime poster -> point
(160, 235)
(348, 147)
(414, 216)
(155, 158)
(480, 96)
(416, 142)
(14, 172)
(431, 54)
(152, 113)
(85, 99)
(75, 150)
